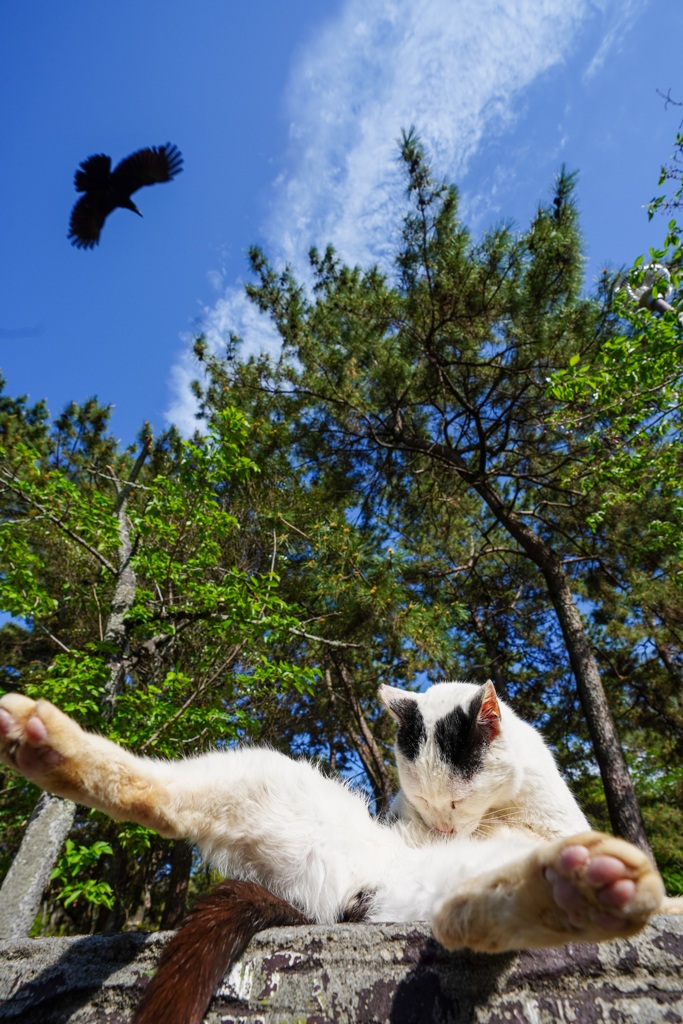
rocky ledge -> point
(370, 974)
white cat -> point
(258, 815)
(469, 766)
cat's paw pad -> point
(26, 742)
(600, 882)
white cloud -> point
(183, 406)
(233, 313)
(616, 29)
(455, 69)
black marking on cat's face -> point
(411, 728)
(460, 739)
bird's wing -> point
(87, 218)
(93, 173)
(147, 167)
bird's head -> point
(130, 205)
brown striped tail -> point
(213, 935)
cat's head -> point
(451, 754)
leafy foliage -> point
(424, 403)
(385, 502)
(69, 874)
(199, 624)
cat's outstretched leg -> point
(52, 750)
(584, 888)
(251, 811)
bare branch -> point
(323, 640)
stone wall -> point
(388, 974)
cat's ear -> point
(399, 703)
(488, 718)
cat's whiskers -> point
(495, 818)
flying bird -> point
(106, 189)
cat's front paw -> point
(35, 737)
(601, 887)
(585, 888)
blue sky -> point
(287, 116)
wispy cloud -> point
(617, 27)
(455, 69)
(232, 313)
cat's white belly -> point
(314, 841)
(263, 816)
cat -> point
(456, 781)
(279, 823)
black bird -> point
(106, 189)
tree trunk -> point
(116, 632)
(51, 821)
(622, 802)
(178, 884)
(29, 873)
(368, 751)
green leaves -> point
(670, 173)
(478, 415)
(71, 875)
(355, 514)
(625, 402)
(154, 544)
